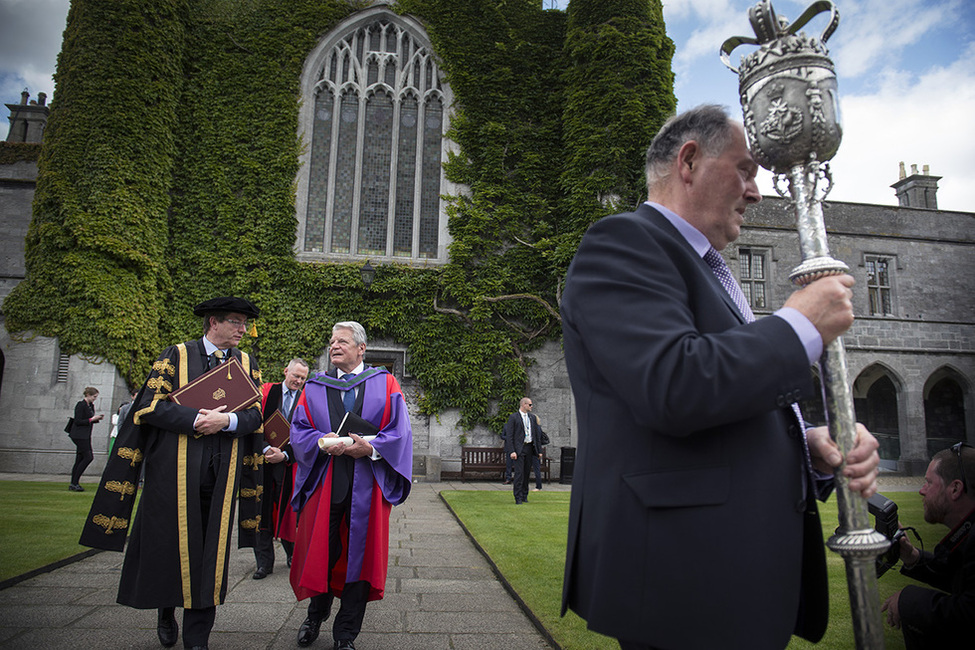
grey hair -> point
(709, 125)
(298, 361)
(358, 331)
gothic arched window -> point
(374, 114)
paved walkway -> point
(440, 593)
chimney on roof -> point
(919, 190)
(28, 118)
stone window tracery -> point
(372, 177)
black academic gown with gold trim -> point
(169, 562)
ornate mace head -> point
(788, 89)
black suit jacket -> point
(688, 524)
(81, 428)
(514, 434)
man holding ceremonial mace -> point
(790, 103)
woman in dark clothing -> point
(80, 434)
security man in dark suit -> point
(693, 519)
(522, 444)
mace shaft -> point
(855, 540)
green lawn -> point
(40, 523)
(527, 543)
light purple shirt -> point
(807, 333)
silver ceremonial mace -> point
(791, 116)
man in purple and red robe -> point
(343, 496)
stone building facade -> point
(911, 353)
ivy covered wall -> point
(167, 177)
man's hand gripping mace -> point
(790, 104)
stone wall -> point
(17, 181)
(35, 406)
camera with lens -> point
(885, 512)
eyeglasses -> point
(239, 324)
(961, 463)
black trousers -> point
(352, 608)
(197, 624)
(82, 458)
(522, 472)
(537, 468)
(264, 550)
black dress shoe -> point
(308, 631)
(344, 644)
(168, 631)
(74, 487)
(262, 573)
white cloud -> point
(922, 120)
(882, 29)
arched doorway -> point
(944, 410)
(875, 401)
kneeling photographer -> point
(943, 617)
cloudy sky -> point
(906, 71)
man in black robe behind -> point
(195, 461)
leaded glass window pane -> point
(405, 178)
(744, 263)
(758, 267)
(318, 172)
(345, 174)
(375, 175)
(758, 298)
(430, 189)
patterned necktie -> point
(349, 397)
(286, 403)
(216, 358)
(723, 273)
(528, 427)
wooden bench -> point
(480, 460)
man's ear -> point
(687, 158)
(957, 490)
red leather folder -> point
(277, 430)
(225, 385)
